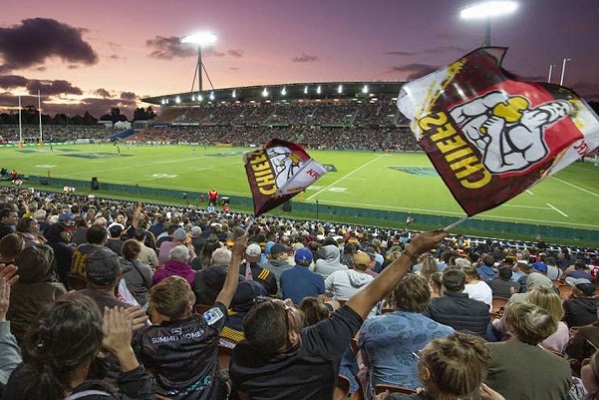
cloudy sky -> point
(85, 55)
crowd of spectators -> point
(103, 298)
(53, 133)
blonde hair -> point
(547, 299)
(457, 363)
(429, 266)
(531, 323)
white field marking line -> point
(451, 213)
(345, 176)
(529, 192)
(531, 207)
(576, 187)
(558, 210)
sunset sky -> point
(86, 55)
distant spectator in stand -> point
(299, 282)
(343, 284)
(8, 221)
(503, 285)
(197, 241)
(533, 280)
(114, 242)
(580, 271)
(278, 262)
(251, 270)
(389, 341)
(485, 270)
(209, 280)
(210, 245)
(147, 255)
(330, 263)
(158, 227)
(553, 272)
(590, 377)
(29, 229)
(581, 307)
(97, 236)
(80, 233)
(435, 283)
(456, 309)
(59, 238)
(179, 239)
(213, 197)
(36, 288)
(176, 265)
(519, 368)
(137, 275)
(563, 260)
(477, 289)
(428, 266)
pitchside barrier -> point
(326, 212)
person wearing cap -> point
(177, 264)
(181, 347)
(581, 307)
(102, 274)
(59, 238)
(97, 236)
(243, 300)
(299, 282)
(179, 238)
(278, 261)
(250, 269)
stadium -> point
(378, 175)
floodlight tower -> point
(561, 79)
(488, 10)
(200, 39)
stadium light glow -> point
(487, 10)
(265, 93)
(365, 89)
(193, 97)
(201, 39)
(211, 95)
(178, 100)
(163, 102)
(318, 89)
(284, 91)
(340, 89)
(305, 89)
(234, 94)
(200, 97)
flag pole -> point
(20, 126)
(39, 100)
(458, 222)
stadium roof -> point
(283, 92)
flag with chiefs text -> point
(491, 135)
(278, 171)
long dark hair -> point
(63, 338)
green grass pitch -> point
(397, 181)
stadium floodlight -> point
(163, 102)
(201, 39)
(265, 93)
(305, 89)
(488, 10)
(561, 79)
(234, 94)
(340, 89)
(193, 97)
(284, 91)
(200, 97)
(365, 89)
(318, 89)
(178, 100)
(211, 95)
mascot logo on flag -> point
(508, 132)
(286, 163)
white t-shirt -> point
(480, 291)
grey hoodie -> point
(343, 284)
(330, 263)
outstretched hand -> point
(118, 330)
(240, 245)
(10, 273)
(4, 298)
(486, 393)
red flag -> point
(277, 172)
(491, 136)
